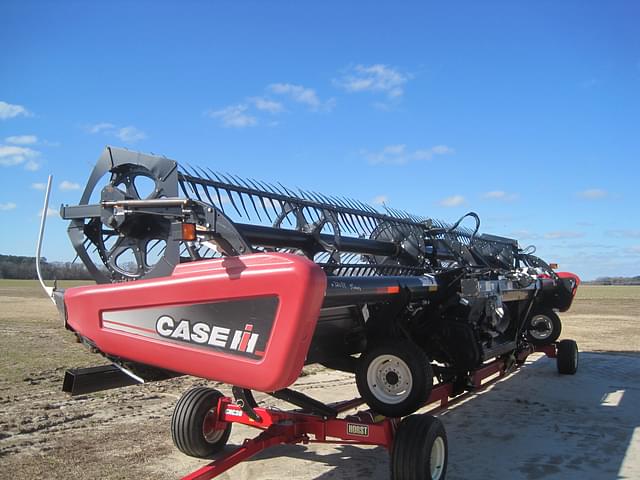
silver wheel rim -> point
(436, 459)
(541, 327)
(211, 435)
(389, 379)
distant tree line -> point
(15, 267)
(616, 281)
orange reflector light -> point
(554, 266)
(395, 289)
(189, 231)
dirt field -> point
(125, 433)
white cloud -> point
(7, 206)
(39, 186)
(375, 78)
(500, 195)
(303, 95)
(442, 150)
(562, 234)
(267, 105)
(380, 200)
(634, 250)
(524, 235)
(66, 185)
(11, 155)
(99, 127)
(8, 110)
(51, 212)
(593, 194)
(32, 165)
(234, 116)
(22, 139)
(399, 155)
(130, 134)
(624, 233)
(453, 201)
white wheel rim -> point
(211, 435)
(436, 459)
(389, 379)
(541, 327)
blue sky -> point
(525, 112)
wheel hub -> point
(392, 378)
(389, 379)
(209, 430)
(541, 327)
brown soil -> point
(124, 433)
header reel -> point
(141, 215)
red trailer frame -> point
(361, 428)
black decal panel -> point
(239, 327)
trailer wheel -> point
(394, 379)
(567, 357)
(543, 327)
(194, 429)
(419, 449)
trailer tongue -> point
(245, 282)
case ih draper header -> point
(244, 282)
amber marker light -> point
(189, 231)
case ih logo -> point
(204, 334)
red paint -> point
(299, 283)
(244, 341)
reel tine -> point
(233, 183)
(365, 206)
(195, 189)
(350, 203)
(278, 191)
(229, 181)
(266, 187)
(256, 185)
(349, 216)
(317, 198)
(254, 206)
(337, 201)
(325, 199)
(228, 192)
(345, 222)
(184, 190)
(261, 198)
(304, 196)
(363, 228)
(206, 188)
(249, 194)
(217, 191)
(290, 193)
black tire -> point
(543, 327)
(567, 357)
(419, 449)
(191, 426)
(395, 378)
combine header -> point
(245, 282)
